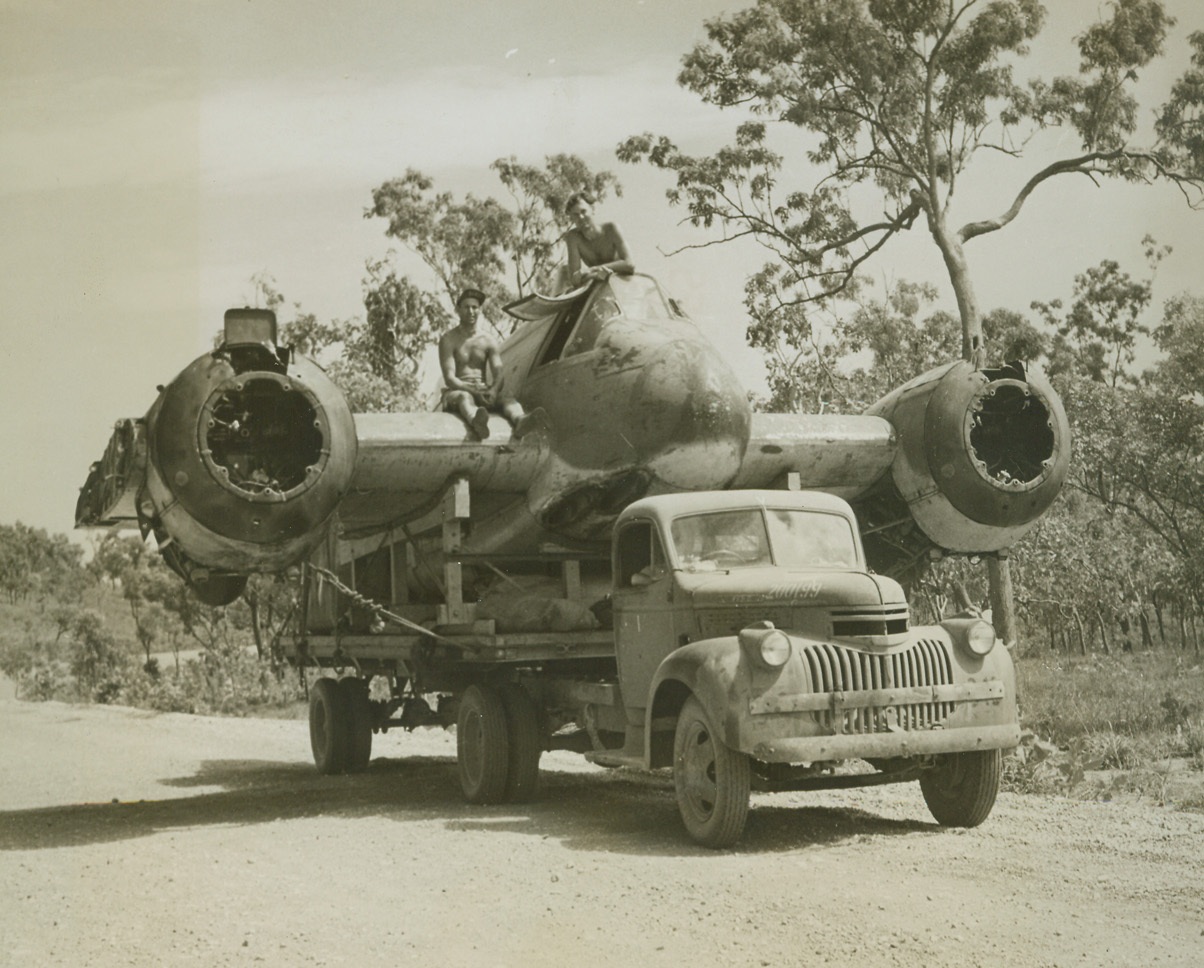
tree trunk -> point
(256, 628)
(1003, 605)
(1103, 633)
(1182, 629)
(1078, 624)
(963, 289)
(962, 597)
(1158, 615)
(1147, 640)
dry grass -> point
(1124, 725)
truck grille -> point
(855, 622)
(834, 668)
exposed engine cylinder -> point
(250, 450)
(983, 453)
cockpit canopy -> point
(582, 315)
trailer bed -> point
(521, 648)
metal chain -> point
(380, 611)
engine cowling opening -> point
(1011, 434)
(262, 437)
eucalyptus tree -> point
(897, 99)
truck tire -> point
(482, 745)
(328, 726)
(526, 745)
(359, 723)
(711, 780)
(961, 789)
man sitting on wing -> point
(472, 372)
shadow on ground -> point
(615, 812)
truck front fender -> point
(713, 670)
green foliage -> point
(814, 372)
(1149, 694)
(462, 242)
(481, 242)
(901, 97)
(34, 564)
(93, 647)
(1097, 337)
(230, 682)
(539, 196)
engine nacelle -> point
(249, 451)
(982, 454)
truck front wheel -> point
(961, 789)
(711, 779)
(482, 745)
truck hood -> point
(779, 587)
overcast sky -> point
(155, 154)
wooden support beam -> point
(454, 508)
(571, 570)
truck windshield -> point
(752, 538)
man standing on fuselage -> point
(472, 370)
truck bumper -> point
(861, 724)
(884, 745)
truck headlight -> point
(766, 644)
(980, 638)
(970, 633)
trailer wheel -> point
(482, 745)
(961, 789)
(328, 726)
(711, 780)
(526, 747)
(359, 723)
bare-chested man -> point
(472, 370)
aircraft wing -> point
(841, 454)
(406, 460)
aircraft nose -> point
(690, 415)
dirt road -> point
(136, 839)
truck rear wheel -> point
(961, 789)
(522, 726)
(711, 780)
(359, 723)
(328, 726)
(482, 745)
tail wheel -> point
(711, 779)
(961, 789)
(359, 723)
(482, 745)
(329, 726)
(526, 743)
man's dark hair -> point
(471, 293)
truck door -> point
(643, 611)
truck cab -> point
(751, 639)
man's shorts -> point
(478, 398)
